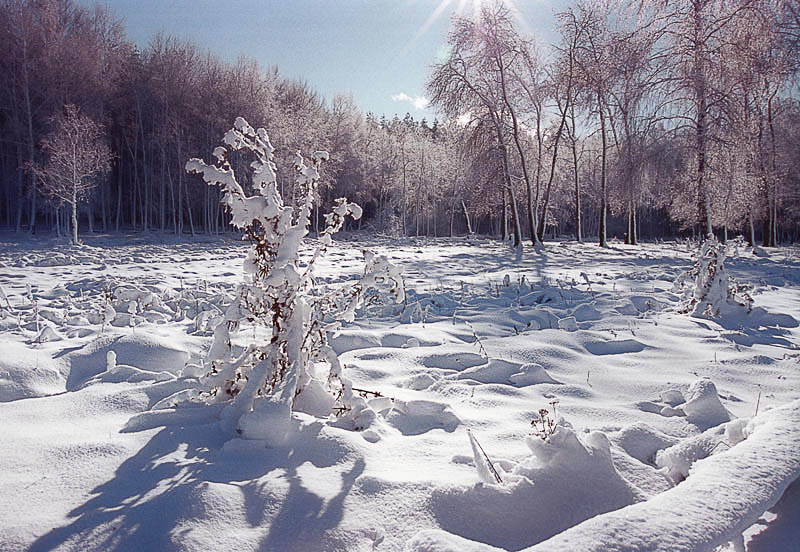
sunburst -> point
(469, 8)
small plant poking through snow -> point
(270, 378)
(545, 426)
(711, 287)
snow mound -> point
(129, 374)
(344, 341)
(531, 374)
(418, 417)
(620, 347)
(700, 406)
(585, 313)
(352, 339)
(494, 371)
(567, 479)
(24, 374)
(143, 351)
(723, 495)
(418, 382)
(568, 324)
(703, 407)
(453, 361)
(642, 441)
(679, 458)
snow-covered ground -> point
(651, 408)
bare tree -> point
(696, 34)
(75, 154)
(586, 29)
(563, 82)
(532, 80)
(476, 78)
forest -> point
(644, 120)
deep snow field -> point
(93, 459)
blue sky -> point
(374, 49)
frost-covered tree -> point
(269, 378)
(75, 154)
(477, 78)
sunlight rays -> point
(467, 8)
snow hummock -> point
(722, 496)
(702, 406)
(566, 479)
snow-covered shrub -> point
(266, 380)
(707, 285)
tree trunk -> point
(466, 216)
(188, 207)
(162, 194)
(119, 192)
(699, 76)
(90, 216)
(574, 144)
(74, 206)
(523, 163)
(32, 218)
(773, 177)
(546, 202)
(20, 187)
(180, 191)
(603, 195)
(578, 233)
(103, 212)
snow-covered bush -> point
(266, 380)
(709, 286)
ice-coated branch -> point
(263, 382)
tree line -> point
(645, 119)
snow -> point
(722, 496)
(655, 429)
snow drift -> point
(723, 495)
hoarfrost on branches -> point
(710, 286)
(268, 379)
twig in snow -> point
(366, 392)
(486, 456)
(758, 402)
(477, 340)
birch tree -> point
(476, 77)
(75, 153)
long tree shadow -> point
(153, 492)
(303, 519)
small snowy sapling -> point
(709, 285)
(263, 382)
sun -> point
(467, 8)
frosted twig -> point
(486, 456)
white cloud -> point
(419, 102)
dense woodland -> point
(646, 119)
